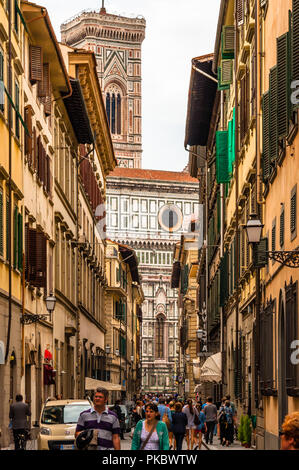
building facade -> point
(116, 42)
(149, 210)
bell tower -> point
(116, 42)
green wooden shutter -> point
(15, 238)
(20, 242)
(222, 163)
(1, 222)
(283, 85)
(220, 85)
(273, 143)
(228, 42)
(8, 239)
(223, 279)
(266, 136)
(226, 72)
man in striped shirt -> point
(101, 418)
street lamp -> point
(254, 229)
(50, 303)
(199, 334)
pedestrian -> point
(150, 433)
(120, 417)
(102, 420)
(179, 423)
(165, 413)
(233, 407)
(222, 422)
(191, 413)
(18, 414)
(170, 431)
(226, 416)
(200, 429)
(210, 412)
(289, 435)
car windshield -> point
(63, 414)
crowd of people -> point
(160, 423)
(178, 419)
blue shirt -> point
(162, 410)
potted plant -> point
(241, 430)
(247, 431)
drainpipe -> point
(237, 261)
(9, 185)
(222, 250)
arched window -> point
(159, 337)
(114, 108)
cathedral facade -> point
(149, 210)
(116, 42)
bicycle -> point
(24, 438)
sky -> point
(176, 31)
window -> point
(267, 349)
(114, 109)
(159, 337)
(273, 235)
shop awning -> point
(211, 369)
(92, 384)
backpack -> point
(222, 417)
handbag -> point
(148, 437)
(196, 420)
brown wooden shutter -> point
(36, 64)
(41, 260)
(34, 148)
(31, 259)
(48, 182)
(43, 86)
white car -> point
(58, 423)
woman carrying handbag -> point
(150, 433)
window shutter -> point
(273, 142)
(222, 159)
(260, 256)
(32, 253)
(243, 108)
(226, 72)
(220, 86)
(228, 42)
(274, 236)
(295, 40)
(48, 175)
(20, 242)
(8, 239)
(291, 335)
(293, 224)
(283, 85)
(43, 85)
(29, 135)
(15, 237)
(1, 222)
(266, 136)
(223, 279)
(36, 64)
(34, 149)
(41, 260)
(2, 94)
(253, 90)
(240, 12)
(27, 252)
(281, 229)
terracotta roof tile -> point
(159, 175)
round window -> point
(170, 218)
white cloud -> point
(176, 32)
